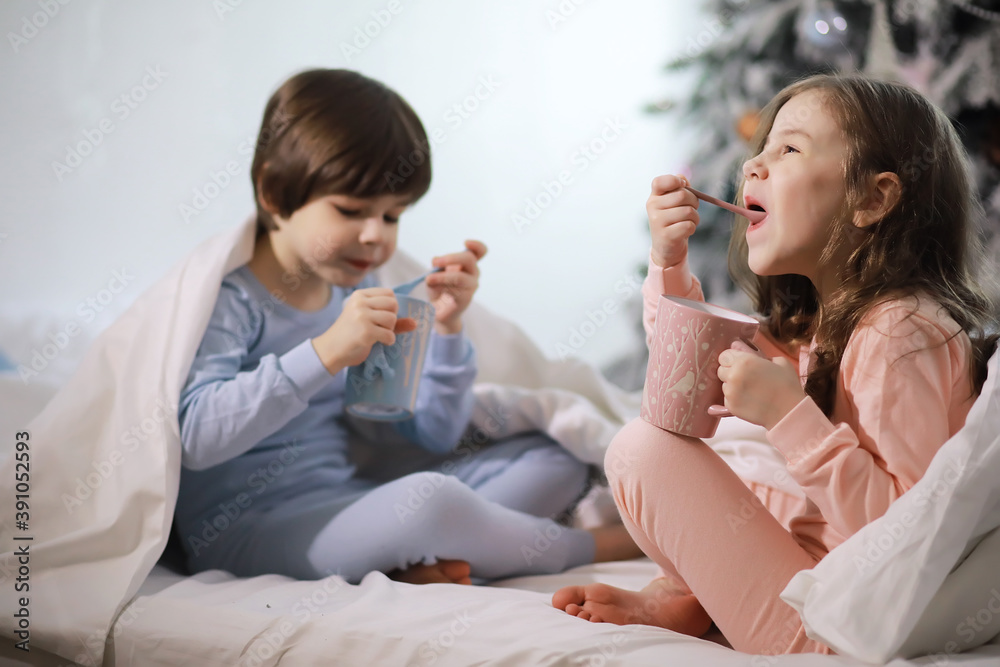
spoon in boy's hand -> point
(408, 287)
(405, 324)
(752, 216)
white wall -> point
(64, 234)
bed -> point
(104, 589)
(216, 619)
(381, 622)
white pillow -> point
(35, 359)
(20, 402)
(42, 347)
(908, 583)
(965, 612)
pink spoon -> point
(752, 216)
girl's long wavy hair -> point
(927, 243)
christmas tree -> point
(748, 50)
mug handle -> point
(720, 410)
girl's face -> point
(798, 179)
(339, 238)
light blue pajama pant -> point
(492, 509)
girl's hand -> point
(673, 217)
(451, 290)
(368, 317)
(760, 390)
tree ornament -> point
(747, 124)
(822, 25)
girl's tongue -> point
(758, 219)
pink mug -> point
(683, 392)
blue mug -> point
(384, 387)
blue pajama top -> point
(260, 415)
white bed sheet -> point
(215, 619)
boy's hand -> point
(759, 390)
(673, 217)
(368, 317)
(451, 290)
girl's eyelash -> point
(784, 149)
(390, 219)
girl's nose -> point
(754, 167)
(373, 230)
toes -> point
(573, 609)
(574, 595)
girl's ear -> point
(883, 197)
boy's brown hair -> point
(328, 131)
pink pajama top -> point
(903, 390)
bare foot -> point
(613, 543)
(660, 604)
(441, 572)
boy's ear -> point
(262, 196)
(883, 196)
(264, 203)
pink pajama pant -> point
(692, 515)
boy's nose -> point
(373, 231)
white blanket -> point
(105, 452)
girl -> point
(873, 352)
(269, 483)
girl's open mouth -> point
(760, 221)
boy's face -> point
(339, 238)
